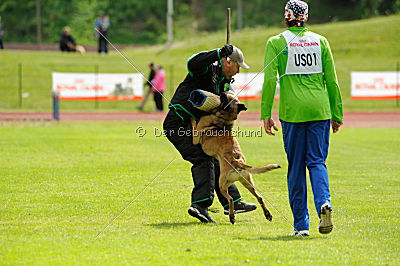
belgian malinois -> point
(214, 133)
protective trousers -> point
(205, 169)
(306, 146)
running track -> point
(351, 119)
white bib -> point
(304, 53)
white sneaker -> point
(326, 223)
(301, 233)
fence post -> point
(96, 80)
(171, 77)
(397, 84)
(20, 85)
(56, 106)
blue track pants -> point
(306, 146)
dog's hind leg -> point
(247, 182)
(223, 187)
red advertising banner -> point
(90, 86)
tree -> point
(144, 21)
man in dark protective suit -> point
(211, 71)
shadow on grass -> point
(276, 238)
(166, 225)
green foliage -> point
(62, 183)
(139, 22)
(18, 20)
(136, 21)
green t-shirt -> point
(303, 97)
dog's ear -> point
(224, 100)
(241, 107)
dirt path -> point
(352, 119)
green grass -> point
(61, 183)
(365, 45)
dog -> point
(214, 133)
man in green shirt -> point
(310, 102)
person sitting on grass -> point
(68, 43)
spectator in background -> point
(159, 87)
(1, 35)
(68, 43)
(148, 83)
(101, 26)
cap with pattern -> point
(296, 10)
(238, 56)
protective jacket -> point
(205, 73)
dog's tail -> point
(256, 170)
(263, 169)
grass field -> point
(61, 183)
(365, 45)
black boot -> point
(200, 213)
